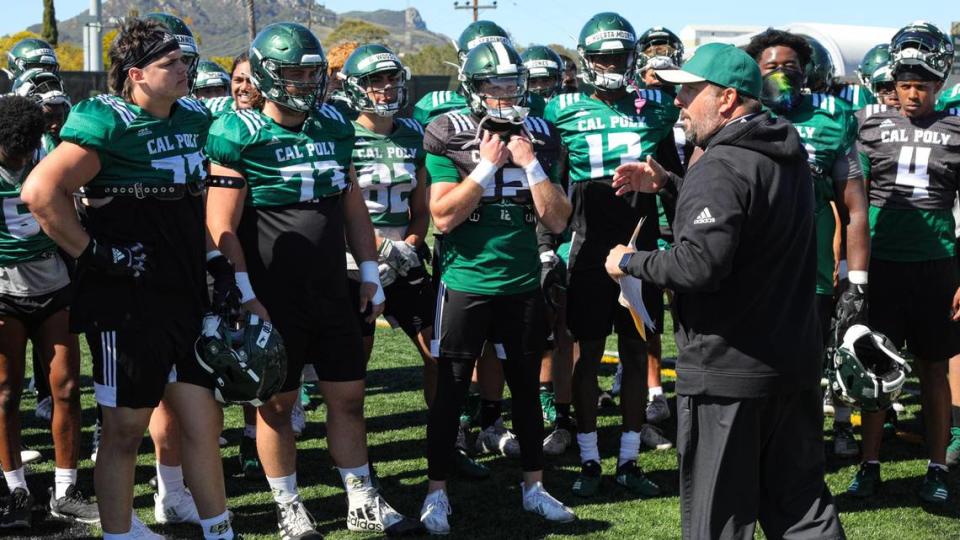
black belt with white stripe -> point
(142, 191)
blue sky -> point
(559, 21)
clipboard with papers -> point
(631, 294)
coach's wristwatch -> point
(624, 261)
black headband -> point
(155, 50)
(915, 73)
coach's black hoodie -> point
(743, 265)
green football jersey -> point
(827, 127)
(494, 251)
(283, 166)
(387, 170)
(219, 106)
(949, 98)
(436, 103)
(21, 238)
(600, 137)
(856, 95)
(136, 148)
(49, 143)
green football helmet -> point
(922, 45)
(607, 34)
(819, 71)
(364, 62)
(881, 75)
(545, 70)
(211, 75)
(248, 362)
(867, 370)
(877, 56)
(495, 70)
(659, 48)
(42, 86)
(188, 45)
(287, 45)
(476, 33)
(31, 53)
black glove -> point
(226, 294)
(552, 277)
(117, 260)
(851, 309)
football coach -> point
(743, 269)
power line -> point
(475, 5)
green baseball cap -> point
(721, 64)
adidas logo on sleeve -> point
(704, 217)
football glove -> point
(552, 277)
(115, 260)
(851, 308)
(388, 274)
(226, 294)
(400, 255)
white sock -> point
(528, 490)
(169, 479)
(355, 479)
(63, 479)
(284, 488)
(16, 479)
(653, 392)
(629, 447)
(841, 414)
(217, 527)
(588, 447)
(249, 431)
(940, 466)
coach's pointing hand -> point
(648, 177)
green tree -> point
(433, 60)
(359, 31)
(50, 32)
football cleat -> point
(557, 442)
(369, 512)
(18, 513)
(866, 483)
(658, 410)
(588, 481)
(934, 488)
(295, 522)
(844, 443)
(631, 477)
(538, 501)
(497, 439)
(73, 505)
(434, 512)
(652, 437)
(175, 507)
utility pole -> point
(475, 5)
(93, 47)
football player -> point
(489, 188)
(212, 81)
(388, 157)
(141, 291)
(827, 128)
(336, 57)
(570, 81)
(910, 158)
(600, 131)
(280, 210)
(31, 53)
(859, 94)
(34, 294)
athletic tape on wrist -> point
(535, 174)
(483, 173)
(370, 273)
(243, 283)
(857, 277)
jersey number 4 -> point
(912, 170)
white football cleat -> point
(434, 512)
(538, 501)
(175, 507)
(497, 439)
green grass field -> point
(491, 508)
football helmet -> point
(368, 60)
(476, 33)
(211, 75)
(877, 56)
(819, 71)
(543, 64)
(247, 361)
(922, 45)
(188, 45)
(659, 48)
(495, 70)
(867, 370)
(31, 53)
(607, 34)
(288, 45)
(45, 87)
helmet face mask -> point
(288, 67)
(494, 81)
(545, 69)
(922, 45)
(658, 48)
(866, 370)
(607, 50)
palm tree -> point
(251, 20)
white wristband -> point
(483, 173)
(213, 254)
(549, 257)
(842, 270)
(246, 290)
(370, 273)
(858, 277)
(535, 174)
